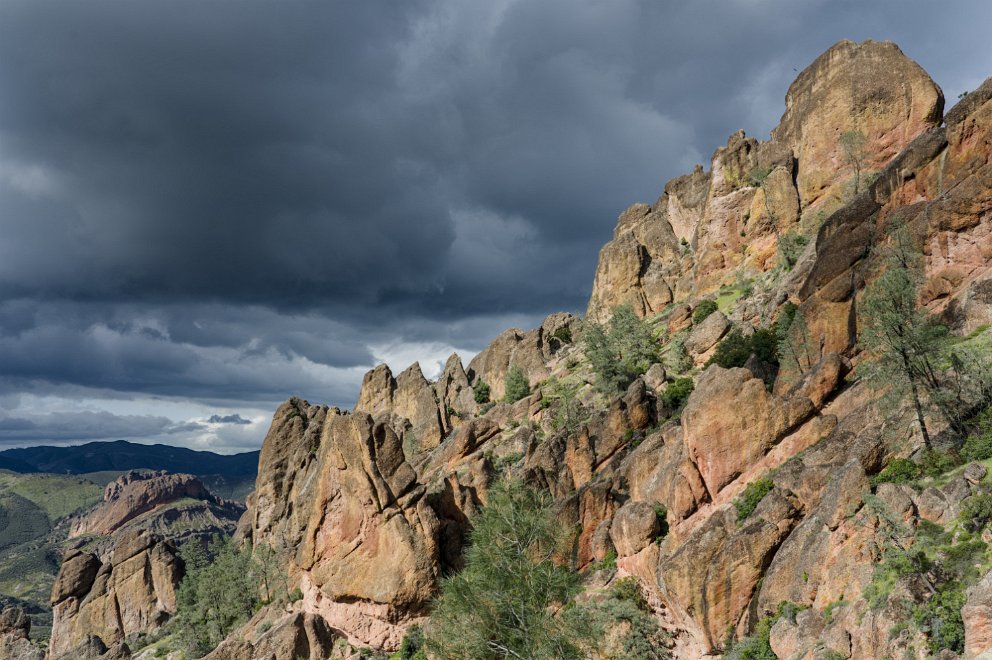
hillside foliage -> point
(620, 350)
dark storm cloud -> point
(61, 426)
(239, 201)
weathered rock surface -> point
(295, 636)
(869, 87)
(367, 558)
(15, 626)
(731, 421)
(138, 499)
(134, 591)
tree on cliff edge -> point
(904, 341)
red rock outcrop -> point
(134, 497)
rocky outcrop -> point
(295, 636)
(367, 509)
(133, 591)
(529, 351)
(869, 87)
(410, 398)
(15, 626)
(731, 421)
(140, 499)
(366, 553)
(708, 225)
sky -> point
(208, 206)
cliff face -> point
(121, 572)
(368, 509)
(709, 226)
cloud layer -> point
(210, 202)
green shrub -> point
(629, 589)
(661, 512)
(939, 618)
(608, 563)
(568, 412)
(620, 350)
(675, 396)
(481, 391)
(597, 622)
(757, 645)
(735, 349)
(703, 309)
(749, 500)
(790, 248)
(898, 471)
(517, 385)
(412, 646)
(977, 447)
(295, 595)
(935, 462)
(506, 593)
(976, 512)
(563, 334)
(678, 354)
(757, 175)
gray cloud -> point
(235, 206)
(88, 425)
(228, 419)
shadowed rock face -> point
(367, 509)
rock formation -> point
(150, 500)
(15, 626)
(133, 591)
(367, 509)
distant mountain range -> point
(122, 455)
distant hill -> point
(122, 455)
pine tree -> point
(219, 592)
(517, 385)
(904, 342)
(502, 603)
(621, 350)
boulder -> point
(634, 526)
(295, 636)
(706, 335)
(15, 626)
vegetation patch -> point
(749, 500)
(621, 350)
(703, 310)
(480, 392)
(676, 394)
(517, 385)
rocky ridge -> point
(367, 509)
